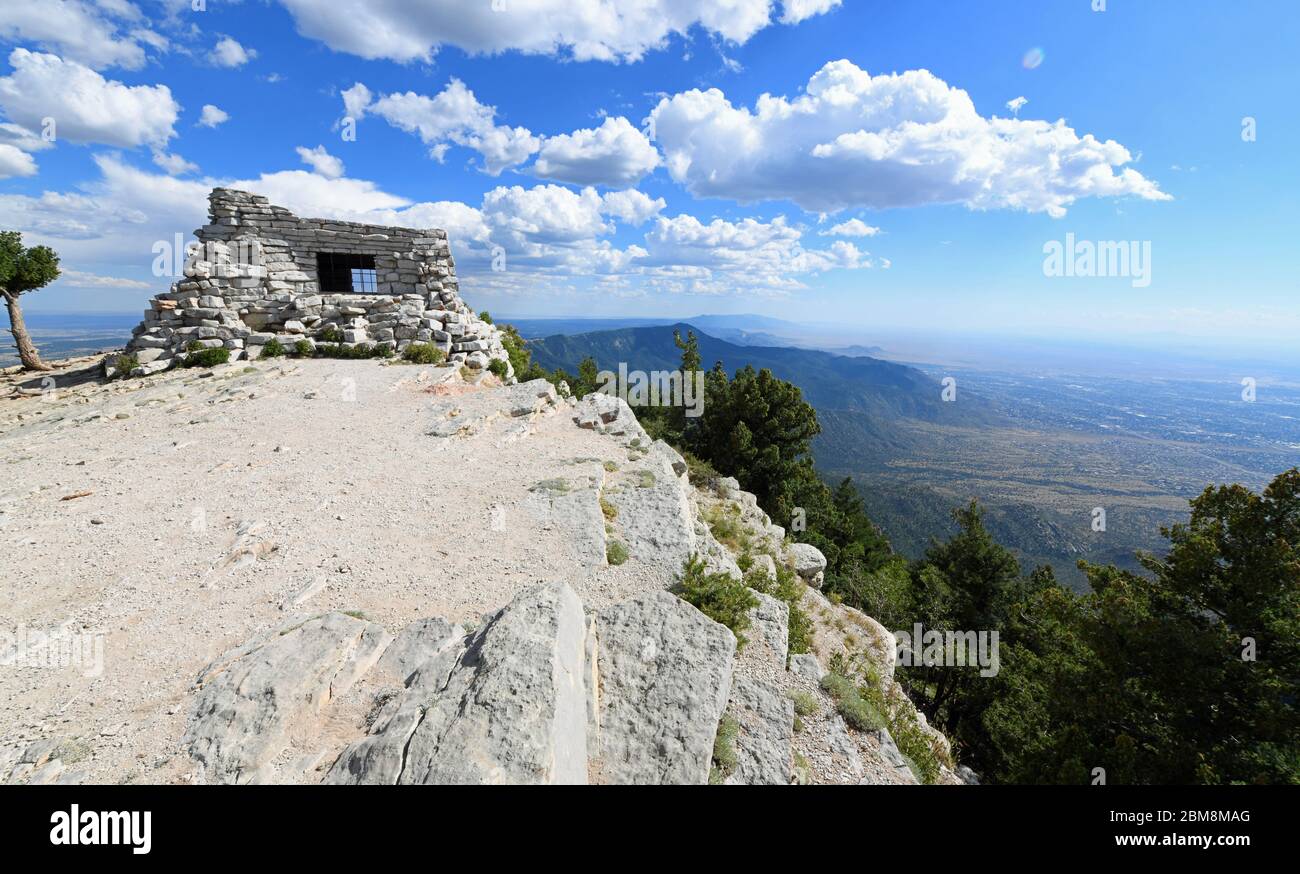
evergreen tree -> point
(23, 270)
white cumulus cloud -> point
(614, 154)
(229, 53)
(893, 140)
(632, 207)
(604, 30)
(81, 31)
(84, 106)
(453, 116)
(795, 11)
(15, 162)
(850, 228)
(321, 161)
(212, 116)
(174, 164)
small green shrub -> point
(800, 631)
(924, 760)
(207, 357)
(498, 367)
(330, 335)
(724, 522)
(803, 774)
(701, 474)
(616, 552)
(610, 511)
(485, 316)
(124, 364)
(724, 749)
(304, 349)
(359, 351)
(423, 353)
(856, 710)
(805, 703)
(789, 588)
(273, 349)
(719, 596)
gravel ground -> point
(170, 518)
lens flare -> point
(1032, 59)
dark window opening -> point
(340, 272)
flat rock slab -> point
(417, 644)
(769, 624)
(571, 509)
(468, 413)
(766, 718)
(655, 516)
(508, 706)
(664, 678)
(252, 696)
(806, 665)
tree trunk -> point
(26, 350)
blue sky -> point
(589, 152)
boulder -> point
(892, 755)
(766, 719)
(769, 625)
(252, 696)
(609, 414)
(809, 563)
(844, 751)
(507, 707)
(417, 645)
(806, 665)
(655, 516)
(528, 398)
(665, 676)
(765, 564)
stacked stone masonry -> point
(254, 277)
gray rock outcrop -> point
(665, 675)
(766, 719)
(510, 707)
(809, 563)
(251, 696)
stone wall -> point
(254, 277)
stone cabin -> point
(260, 272)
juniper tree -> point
(23, 270)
